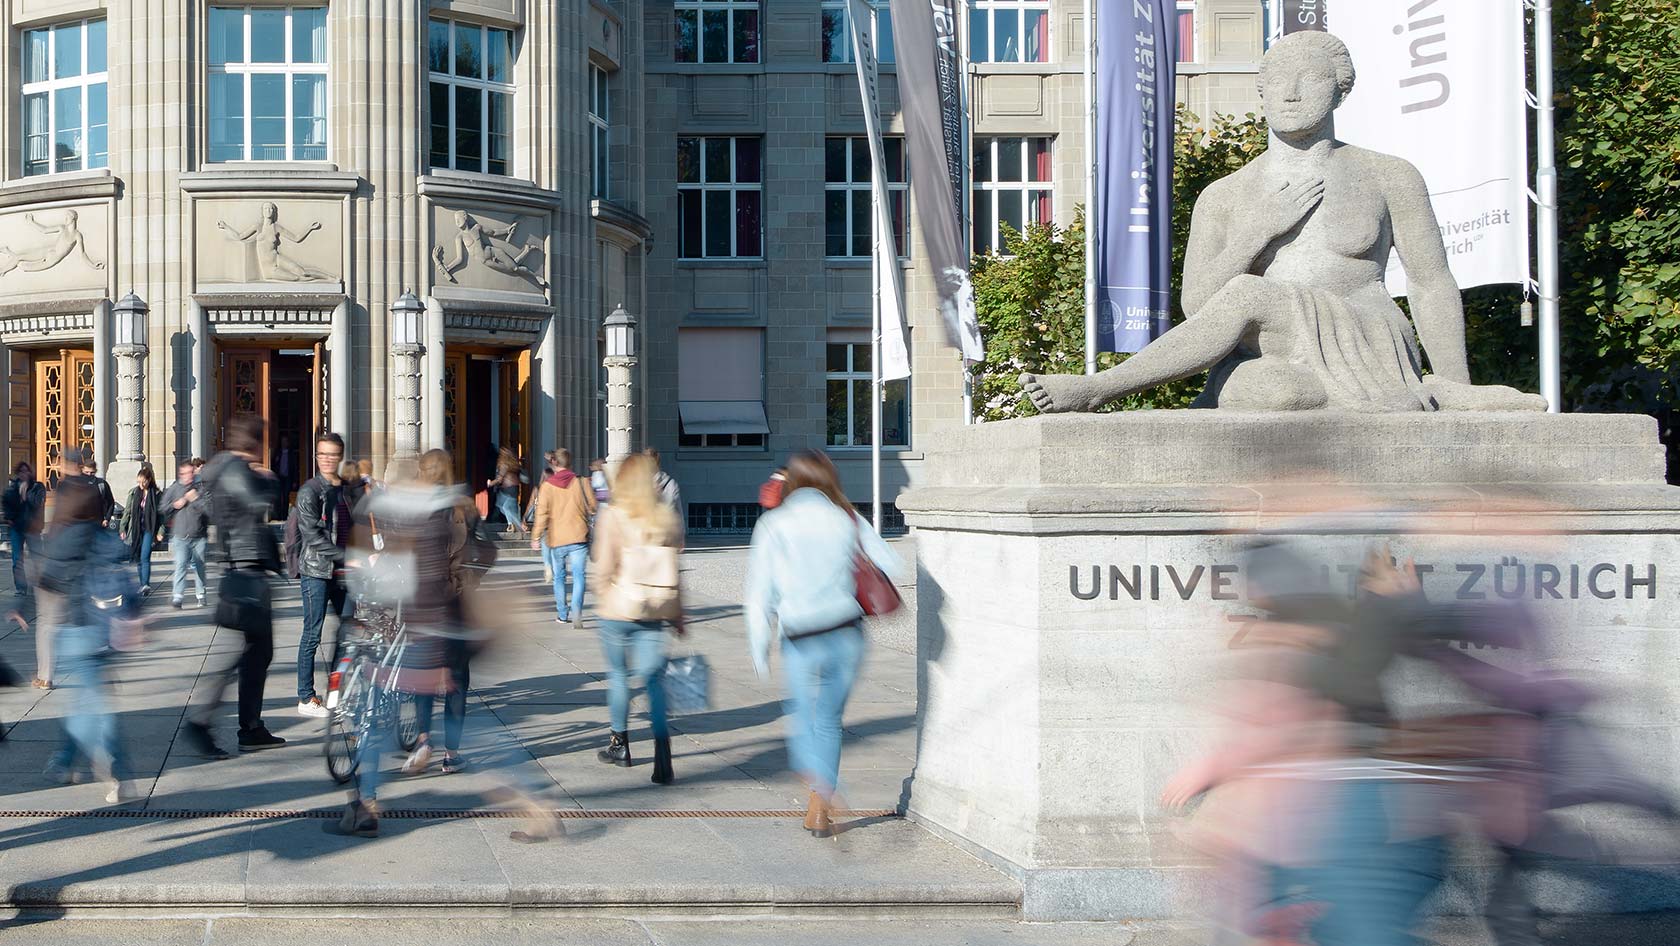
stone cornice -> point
(282, 179)
(629, 228)
(277, 300)
(75, 185)
(488, 187)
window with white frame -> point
(470, 97)
(64, 98)
(720, 197)
(600, 132)
(268, 84)
(717, 30)
(847, 205)
(849, 387)
(1009, 31)
(1186, 30)
(1012, 186)
(720, 387)
(837, 32)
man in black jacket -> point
(25, 504)
(241, 495)
(323, 525)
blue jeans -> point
(318, 594)
(188, 554)
(562, 559)
(635, 648)
(818, 672)
(508, 504)
(143, 556)
(20, 542)
(89, 730)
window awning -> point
(723, 417)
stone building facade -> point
(269, 176)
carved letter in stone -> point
(488, 245)
(1283, 276)
(65, 237)
(263, 245)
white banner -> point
(1441, 84)
(889, 279)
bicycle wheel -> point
(408, 722)
(341, 741)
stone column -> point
(340, 412)
(621, 409)
(434, 375)
(406, 398)
(129, 360)
(101, 386)
(198, 323)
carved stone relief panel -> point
(285, 244)
(493, 249)
(54, 251)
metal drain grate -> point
(431, 814)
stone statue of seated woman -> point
(1283, 277)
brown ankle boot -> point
(816, 817)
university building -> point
(268, 178)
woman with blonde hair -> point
(801, 576)
(637, 543)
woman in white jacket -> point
(801, 575)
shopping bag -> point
(688, 685)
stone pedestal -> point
(1078, 574)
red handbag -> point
(875, 591)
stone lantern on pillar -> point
(128, 347)
(620, 363)
(408, 322)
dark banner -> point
(930, 91)
(1137, 44)
(1302, 15)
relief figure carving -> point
(65, 237)
(262, 244)
(490, 246)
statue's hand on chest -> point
(1349, 218)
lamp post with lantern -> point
(408, 321)
(128, 347)
(620, 329)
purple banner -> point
(1132, 214)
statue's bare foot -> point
(1063, 393)
(1454, 396)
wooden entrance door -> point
(455, 412)
(62, 407)
(244, 384)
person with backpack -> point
(802, 575)
(141, 523)
(565, 506)
(86, 568)
(317, 535)
(241, 496)
(184, 510)
(26, 511)
(638, 540)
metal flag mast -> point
(1090, 186)
(1545, 201)
(875, 276)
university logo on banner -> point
(1441, 84)
(1131, 216)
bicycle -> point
(359, 693)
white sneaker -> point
(121, 792)
(312, 707)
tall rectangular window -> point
(1186, 30)
(64, 98)
(847, 205)
(1009, 31)
(470, 97)
(849, 388)
(268, 84)
(717, 30)
(837, 32)
(720, 196)
(1012, 188)
(600, 132)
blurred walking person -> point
(184, 508)
(638, 540)
(142, 523)
(241, 496)
(107, 502)
(26, 511)
(85, 568)
(801, 581)
(565, 507)
(599, 483)
(324, 524)
(504, 488)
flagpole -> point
(966, 198)
(877, 218)
(1545, 221)
(1090, 187)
